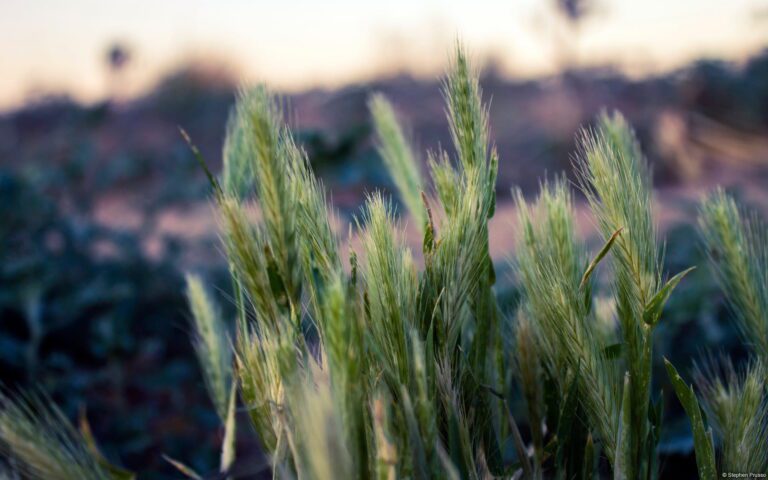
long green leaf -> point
(449, 468)
(217, 190)
(622, 465)
(184, 469)
(702, 440)
(418, 454)
(565, 422)
(600, 255)
(588, 468)
(115, 472)
(228, 444)
(522, 454)
(652, 311)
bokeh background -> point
(103, 208)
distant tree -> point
(573, 10)
(118, 55)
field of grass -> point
(392, 340)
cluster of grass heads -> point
(381, 369)
(734, 398)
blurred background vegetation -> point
(103, 209)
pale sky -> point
(59, 45)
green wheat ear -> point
(737, 244)
(391, 284)
(322, 450)
(38, 435)
(212, 345)
(530, 376)
(736, 404)
(615, 177)
(386, 371)
(398, 157)
(736, 399)
(549, 267)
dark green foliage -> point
(89, 329)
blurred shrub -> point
(86, 317)
(193, 91)
(724, 92)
